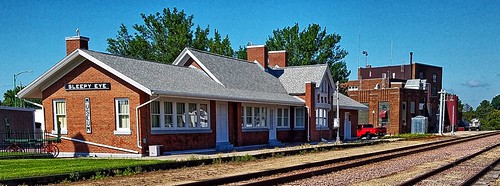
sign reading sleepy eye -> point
(87, 86)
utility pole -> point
(15, 86)
(441, 111)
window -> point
(193, 115)
(122, 116)
(254, 117)
(434, 78)
(282, 118)
(412, 107)
(299, 117)
(421, 75)
(168, 115)
(60, 116)
(321, 116)
(181, 115)
(155, 114)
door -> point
(347, 126)
(222, 128)
(272, 124)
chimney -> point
(411, 65)
(258, 53)
(76, 42)
(277, 58)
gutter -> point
(137, 120)
(92, 143)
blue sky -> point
(462, 36)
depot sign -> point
(87, 86)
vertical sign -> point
(88, 124)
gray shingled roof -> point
(239, 74)
(294, 78)
(346, 102)
(187, 82)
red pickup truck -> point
(368, 131)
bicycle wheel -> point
(52, 149)
(14, 148)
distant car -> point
(475, 124)
(368, 131)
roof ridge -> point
(126, 57)
(302, 66)
(219, 55)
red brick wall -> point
(73, 44)
(258, 53)
(277, 58)
(102, 110)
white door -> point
(272, 124)
(222, 123)
(347, 126)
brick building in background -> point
(395, 94)
(110, 105)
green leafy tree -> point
(164, 35)
(495, 102)
(492, 121)
(312, 45)
(9, 97)
(483, 109)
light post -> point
(14, 90)
(337, 119)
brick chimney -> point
(76, 42)
(277, 58)
(258, 53)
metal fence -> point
(14, 144)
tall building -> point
(395, 94)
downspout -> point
(137, 120)
(308, 123)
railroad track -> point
(461, 163)
(290, 174)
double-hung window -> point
(299, 117)
(60, 116)
(181, 115)
(283, 116)
(254, 117)
(122, 116)
(321, 118)
(155, 114)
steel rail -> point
(409, 150)
(443, 168)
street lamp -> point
(373, 117)
(14, 90)
(337, 119)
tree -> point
(483, 109)
(9, 97)
(163, 36)
(311, 46)
(492, 121)
(495, 102)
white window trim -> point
(303, 118)
(253, 106)
(325, 126)
(287, 114)
(118, 130)
(63, 130)
(188, 117)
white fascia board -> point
(160, 93)
(180, 59)
(115, 72)
(45, 76)
(203, 67)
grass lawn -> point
(23, 168)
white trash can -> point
(155, 150)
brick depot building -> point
(396, 94)
(111, 105)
